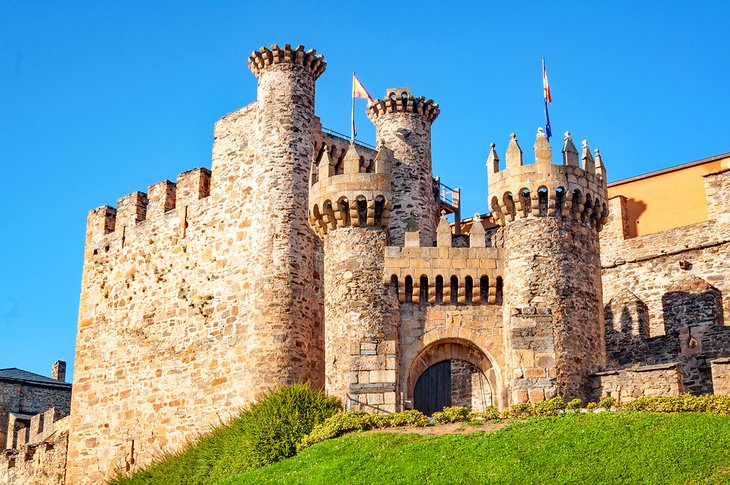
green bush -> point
(264, 433)
(349, 421)
(278, 422)
(489, 413)
(607, 402)
(410, 417)
(523, 410)
(451, 414)
(718, 404)
(574, 404)
(592, 406)
(551, 407)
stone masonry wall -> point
(629, 384)
(721, 375)
(173, 325)
(361, 327)
(667, 295)
(552, 304)
(460, 332)
(29, 399)
(39, 455)
(469, 387)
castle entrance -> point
(452, 383)
(451, 372)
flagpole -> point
(352, 125)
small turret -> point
(403, 125)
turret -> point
(550, 217)
(349, 207)
(286, 288)
(403, 125)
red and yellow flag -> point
(359, 91)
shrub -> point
(338, 425)
(523, 410)
(574, 404)
(592, 406)
(277, 423)
(607, 402)
(718, 404)
(346, 422)
(489, 413)
(451, 414)
(551, 407)
(263, 433)
(410, 417)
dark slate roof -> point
(20, 375)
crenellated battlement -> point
(161, 198)
(400, 100)
(575, 190)
(265, 57)
(349, 189)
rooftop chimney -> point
(58, 371)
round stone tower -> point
(550, 216)
(350, 210)
(403, 125)
(285, 329)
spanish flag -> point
(358, 91)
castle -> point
(303, 257)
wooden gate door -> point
(433, 389)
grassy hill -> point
(627, 447)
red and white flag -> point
(359, 91)
(545, 85)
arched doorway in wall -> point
(452, 372)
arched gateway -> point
(452, 372)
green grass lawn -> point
(607, 448)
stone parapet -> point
(400, 100)
(573, 190)
(445, 275)
(626, 385)
(275, 55)
(106, 224)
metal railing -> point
(332, 132)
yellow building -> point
(667, 198)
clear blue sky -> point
(99, 99)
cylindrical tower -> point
(350, 211)
(285, 328)
(551, 216)
(403, 125)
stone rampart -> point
(626, 385)
(38, 456)
(667, 294)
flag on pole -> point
(358, 91)
(548, 99)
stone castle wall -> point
(666, 295)
(188, 289)
(38, 454)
